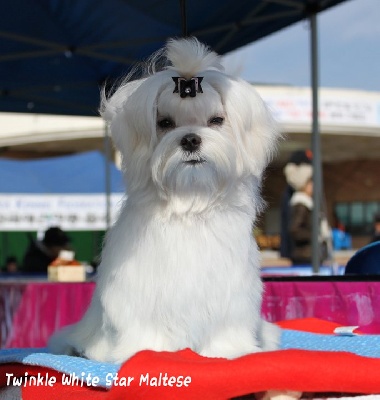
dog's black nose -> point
(191, 142)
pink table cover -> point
(42, 309)
(31, 312)
(347, 303)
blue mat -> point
(364, 345)
(69, 365)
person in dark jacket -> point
(376, 229)
(298, 160)
(11, 266)
(366, 261)
(41, 253)
(300, 227)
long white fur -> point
(180, 268)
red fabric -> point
(217, 379)
(313, 325)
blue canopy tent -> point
(67, 191)
(55, 54)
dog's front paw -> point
(228, 350)
(278, 395)
(58, 344)
(270, 336)
(231, 344)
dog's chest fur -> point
(194, 263)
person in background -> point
(11, 266)
(366, 261)
(300, 223)
(41, 253)
(376, 228)
(300, 159)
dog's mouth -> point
(193, 159)
(195, 162)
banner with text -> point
(336, 110)
(25, 212)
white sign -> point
(332, 109)
(28, 212)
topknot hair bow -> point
(187, 87)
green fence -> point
(86, 244)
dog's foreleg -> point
(231, 343)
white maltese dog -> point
(180, 268)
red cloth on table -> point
(217, 379)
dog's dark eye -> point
(166, 123)
(216, 121)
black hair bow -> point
(187, 87)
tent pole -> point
(183, 17)
(315, 145)
(107, 151)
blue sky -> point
(349, 50)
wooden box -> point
(67, 273)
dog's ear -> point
(131, 115)
(113, 109)
(131, 112)
(256, 131)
